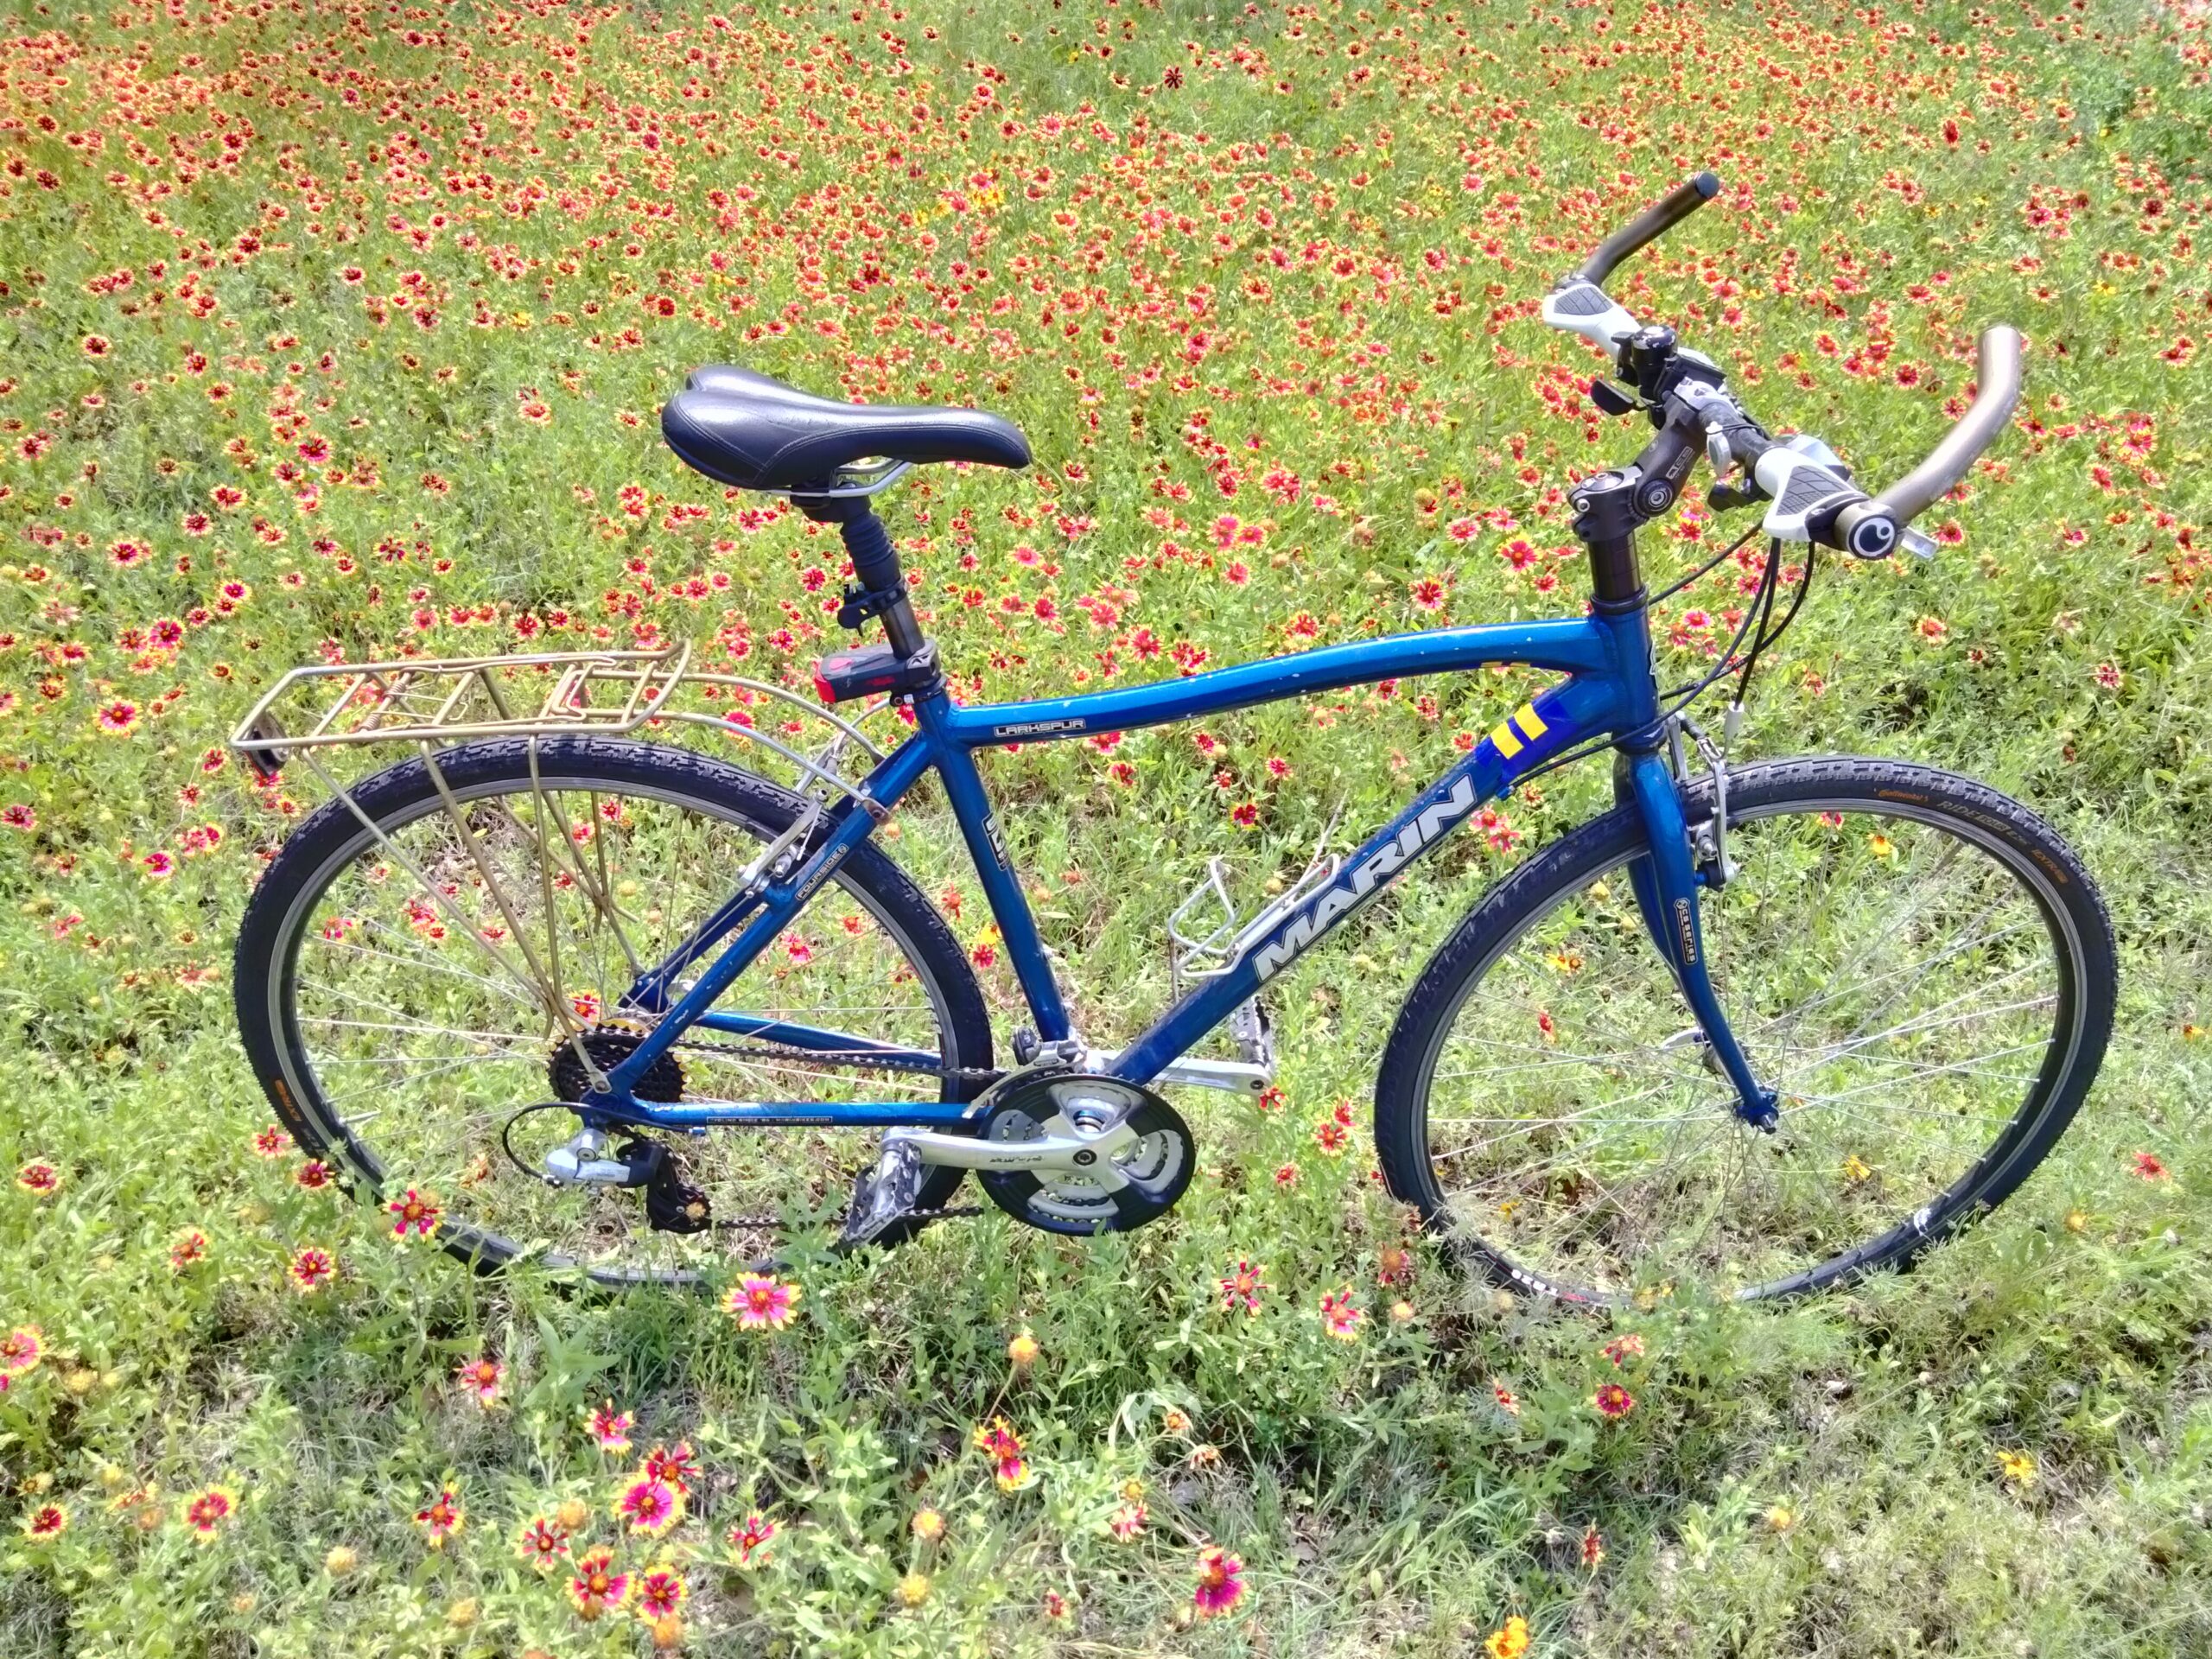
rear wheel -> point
(406, 1034)
(1918, 964)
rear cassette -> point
(1137, 1183)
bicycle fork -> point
(1666, 884)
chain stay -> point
(859, 1058)
(866, 1059)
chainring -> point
(1142, 1183)
(608, 1046)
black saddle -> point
(759, 434)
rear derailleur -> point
(591, 1158)
(672, 1204)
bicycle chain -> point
(861, 1060)
(949, 1212)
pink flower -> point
(417, 1213)
(1220, 1581)
(311, 1269)
(1339, 1318)
(542, 1543)
(658, 1593)
(610, 1427)
(650, 1506)
(1242, 1288)
(750, 1538)
(674, 1464)
(761, 1303)
(1613, 1401)
(483, 1377)
(21, 1350)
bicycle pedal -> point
(672, 1204)
(882, 1196)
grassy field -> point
(340, 331)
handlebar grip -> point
(1866, 530)
(1998, 370)
(1662, 215)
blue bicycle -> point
(1757, 1029)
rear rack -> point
(315, 712)
(452, 700)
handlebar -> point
(1649, 225)
(1880, 522)
(1810, 494)
(1998, 371)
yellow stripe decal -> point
(1508, 744)
(1531, 726)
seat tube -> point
(971, 805)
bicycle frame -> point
(1609, 691)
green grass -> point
(1822, 1478)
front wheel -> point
(1918, 964)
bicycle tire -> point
(2012, 835)
(328, 841)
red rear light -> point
(823, 689)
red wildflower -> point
(650, 1506)
(658, 1593)
(1244, 1285)
(208, 1512)
(311, 1269)
(484, 1377)
(542, 1543)
(40, 1177)
(441, 1517)
(597, 1587)
(45, 1523)
(674, 1464)
(610, 1427)
(1220, 1581)
(418, 1213)
(761, 1303)
(751, 1537)
(1339, 1317)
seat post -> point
(875, 563)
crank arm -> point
(1237, 1077)
(1059, 1148)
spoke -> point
(380, 1085)
(1911, 970)
(1890, 1001)
(414, 961)
(424, 1030)
(1918, 1028)
(1928, 946)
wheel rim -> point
(380, 983)
(1915, 1021)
